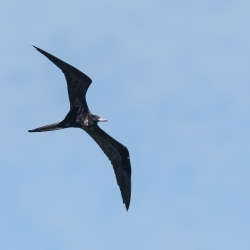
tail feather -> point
(50, 127)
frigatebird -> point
(79, 116)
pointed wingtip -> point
(40, 50)
(127, 203)
(35, 47)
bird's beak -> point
(102, 120)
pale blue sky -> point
(173, 79)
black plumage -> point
(79, 116)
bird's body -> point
(79, 116)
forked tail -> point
(51, 127)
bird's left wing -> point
(119, 156)
(77, 82)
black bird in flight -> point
(79, 116)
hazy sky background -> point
(173, 79)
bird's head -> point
(97, 118)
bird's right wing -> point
(77, 82)
(119, 156)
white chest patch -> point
(86, 122)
